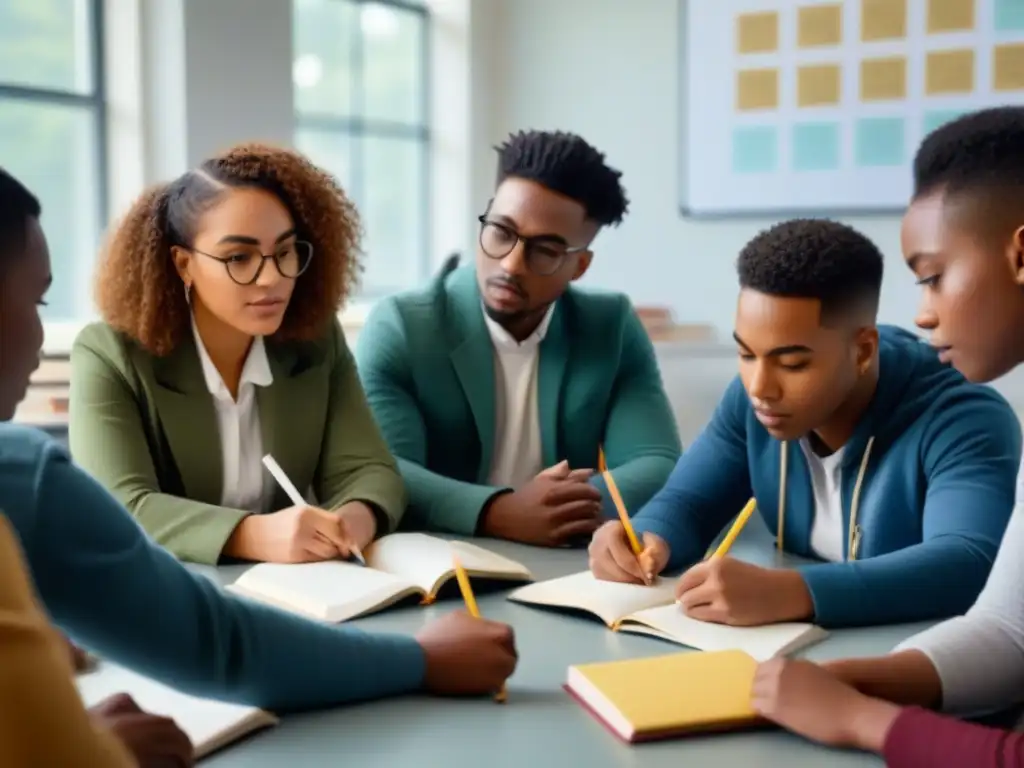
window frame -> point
(95, 102)
(357, 126)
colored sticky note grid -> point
(757, 32)
(755, 149)
(883, 79)
(819, 25)
(1009, 15)
(1008, 67)
(950, 16)
(949, 72)
(883, 20)
(757, 89)
(817, 85)
(879, 142)
(815, 146)
(939, 117)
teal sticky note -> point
(816, 146)
(939, 117)
(879, 142)
(1009, 15)
(754, 149)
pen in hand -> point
(296, 498)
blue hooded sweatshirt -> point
(929, 472)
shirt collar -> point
(504, 340)
(256, 369)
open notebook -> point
(397, 566)
(652, 610)
(210, 725)
(664, 696)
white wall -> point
(608, 70)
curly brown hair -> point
(138, 290)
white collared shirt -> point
(238, 423)
(518, 455)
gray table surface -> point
(540, 725)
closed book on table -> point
(663, 697)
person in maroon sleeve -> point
(963, 237)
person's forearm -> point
(246, 541)
(921, 738)
(907, 678)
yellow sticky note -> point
(757, 32)
(883, 79)
(949, 72)
(883, 19)
(757, 89)
(817, 85)
(1008, 67)
(819, 25)
(949, 16)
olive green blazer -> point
(146, 428)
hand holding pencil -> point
(616, 553)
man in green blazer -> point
(498, 384)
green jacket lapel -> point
(189, 421)
(472, 356)
(554, 354)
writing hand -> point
(467, 655)
(723, 590)
(612, 558)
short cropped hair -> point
(17, 207)
(979, 151)
(139, 291)
(565, 163)
(815, 259)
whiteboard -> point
(788, 109)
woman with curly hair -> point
(220, 344)
(100, 578)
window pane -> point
(323, 32)
(392, 206)
(394, 56)
(56, 159)
(46, 44)
(331, 150)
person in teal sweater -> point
(117, 593)
(497, 385)
(863, 449)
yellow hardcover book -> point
(662, 697)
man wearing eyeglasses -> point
(497, 384)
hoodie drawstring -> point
(853, 544)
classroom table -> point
(540, 725)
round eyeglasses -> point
(244, 264)
(544, 255)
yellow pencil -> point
(730, 537)
(620, 507)
(470, 600)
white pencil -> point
(293, 493)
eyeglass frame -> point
(528, 244)
(226, 261)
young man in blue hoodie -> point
(862, 448)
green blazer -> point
(146, 428)
(427, 364)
